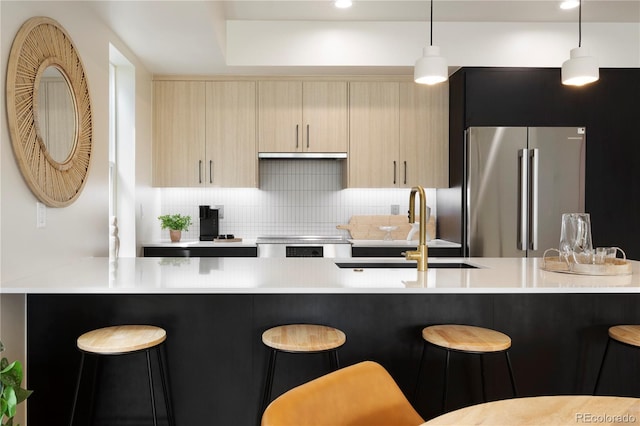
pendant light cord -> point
(431, 25)
(580, 23)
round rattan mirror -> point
(51, 128)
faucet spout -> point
(420, 255)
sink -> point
(438, 265)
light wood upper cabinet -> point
(424, 135)
(204, 134)
(279, 116)
(296, 116)
(231, 134)
(374, 134)
(178, 133)
(398, 135)
(325, 116)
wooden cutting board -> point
(368, 227)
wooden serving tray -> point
(610, 267)
(227, 240)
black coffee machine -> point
(208, 223)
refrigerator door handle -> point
(534, 156)
(523, 198)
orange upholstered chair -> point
(361, 394)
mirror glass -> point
(56, 115)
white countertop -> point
(310, 275)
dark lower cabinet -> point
(217, 363)
(200, 252)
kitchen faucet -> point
(421, 254)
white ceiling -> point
(189, 37)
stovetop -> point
(297, 239)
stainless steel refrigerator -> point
(519, 181)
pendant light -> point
(580, 68)
(431, 68)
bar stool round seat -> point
(627, 335)
(466, 339)
(303, 338)
(123, 340)
(300, 338)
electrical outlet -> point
(220, 211)
(395, 209)
(41, 215)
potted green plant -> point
(11, 392)
(176, 223)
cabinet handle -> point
(405, 172)
(307, 136)
(199, 171)
(297, 126)
(394, 171)
(210, 171)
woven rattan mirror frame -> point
(42, 42)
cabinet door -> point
(325, 116)
(231, 157)
(178, 133)
(424, 135)
(374, 123)
(280, 116)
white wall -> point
(508, 44)
(82, 228)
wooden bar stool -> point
(124, 340)
(299, 338)
(466, 339)
(628, 335)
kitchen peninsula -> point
(215, 309)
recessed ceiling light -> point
(342, 4)
(569, 4)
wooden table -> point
(547, 410)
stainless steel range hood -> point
(303, 155)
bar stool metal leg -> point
(604, 357)
(75, 397)
(151, 391)
(446, 379)
(482, 379)
(415, 391)
(269, 382)
(513, 380)
(333, 358)
(165, 389)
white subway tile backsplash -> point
(296, 197)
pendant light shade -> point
(431, 68)
(580, 68)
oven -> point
(303, 246)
